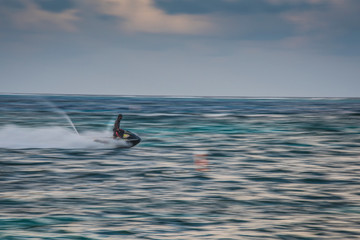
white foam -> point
(17, 137)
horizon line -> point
(166, 95)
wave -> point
(16, 137)
(216, 115)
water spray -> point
(61, 112)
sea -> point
(206, 168)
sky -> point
(249, 48)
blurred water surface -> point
(275, 168)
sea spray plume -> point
(61, 112)
(110, 124)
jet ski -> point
(128, 140)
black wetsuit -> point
(118, 132)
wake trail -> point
(16, 137)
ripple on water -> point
(276, 169)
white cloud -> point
(143, 16)
(33, 17)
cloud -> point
(234, 6)
(279, 2)
(144, 16)
(55, 6)
(325, 25)
(244, 20)
(27, 15)
(337, 13)
(312, 24)
(336, 24)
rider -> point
(118, 132)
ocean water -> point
(207, 168)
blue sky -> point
(295, 48)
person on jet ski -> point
(118, 132)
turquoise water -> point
(206, 168)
